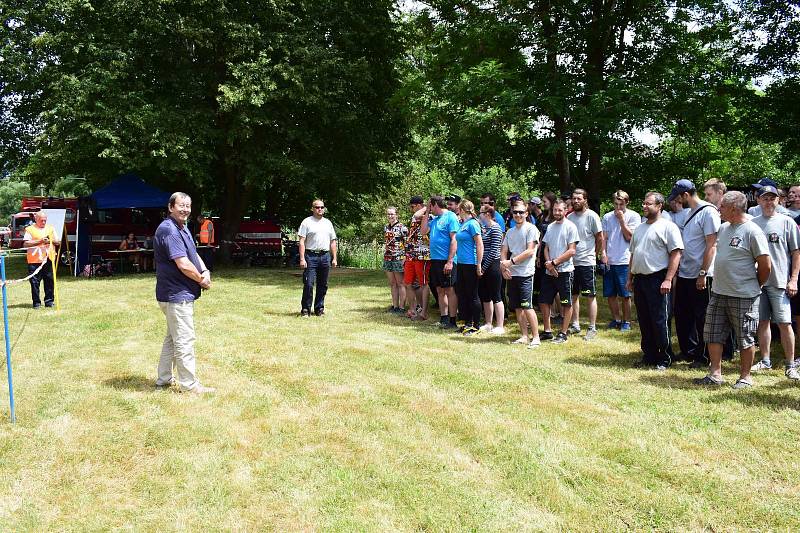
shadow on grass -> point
(293, 277)
(130, 382)
(622, 360)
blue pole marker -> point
(8, 342)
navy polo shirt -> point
(171, 242)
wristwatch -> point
(703, 273)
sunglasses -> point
(519, 212)
(319, 207)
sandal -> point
(709, 380)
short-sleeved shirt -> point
(783, 238)
(417, 243)
(755, 211)
(492, 240)
(680, 217)
(588, 225)
(466, 250)
(738, 246)
(394, 241)
(502, 223)
(558, 238)
(440, 229)
(652, 244)
(318, 233)
(702, 222)
(517, 240)
(617, 248)
(171, 242)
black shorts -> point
(552, 285)
(490, 282)
(520, 292)
(439, 278)
(583, 282)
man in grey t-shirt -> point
(783, 240)
(590, 233)
(317, 255)
(736, 290)
(559, 243)
(699, 232)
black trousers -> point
(690, 318)
(318, 267)
(653, 310)
(469, 304)
(207, 255)
(46, 275)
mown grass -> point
(365, 421)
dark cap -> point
(767, 189)
(416, 200)
(452, 198)
(681, 186)
(765, 181)
(535, 200)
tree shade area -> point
(257, 107)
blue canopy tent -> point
(127, 191)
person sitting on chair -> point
(129, 242)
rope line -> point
(10, 282)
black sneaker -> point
(320, 312)
(561, 338)
(305, 313)
(546, 335)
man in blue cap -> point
(755, 211)
(691, 295)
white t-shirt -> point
(517, 240)
(755, 211)
(318, 233)
(738, 246)
(652, 245)
(588, 225)
(558, 238)
(617, 248)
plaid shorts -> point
(726, 313)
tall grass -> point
(366, 255)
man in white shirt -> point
(560, 243)
(618, 226)
(590, 233)
(317, 256)
(699, 233)
(655, 254)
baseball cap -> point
(452, 198)
(680, 187)
(416, 200)
(767, 189)
(766, 181)
(535, 200)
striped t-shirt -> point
(492, 239)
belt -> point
(653, 274)
(317, 252)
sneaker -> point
(709, 381)
(535, 343)
(742, 384)
(498, 331)
(449, 326)
(591, 333)
(614, 324)
(626, 326)
(486, 328)
(546, 335)
(469, 331)
(305, 313)
(792, 373)
(462, 329)
(660, 368)
(521, 340)
(166, 385)
(574, 329)
(201, 390)
(561, 338)
(442, 325)
(761, 365)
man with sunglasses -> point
(317, 256)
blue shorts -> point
(614, 280)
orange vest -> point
(207, 232)
(38, 254)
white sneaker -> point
(535, 343)
(521, 340)
(485, 327)
(498, 331)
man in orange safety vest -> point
(206, 239)
(41, 242)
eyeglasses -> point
(519, 212)
(319, 207)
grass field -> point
(365, 421)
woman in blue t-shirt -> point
(470, 256)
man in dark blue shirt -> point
(180, 275)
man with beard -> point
(655, 254)
(783, 240)
(699, 233)
(590, 233)
(618, 228)
(755, 211)
(735, 294)
(560, 243)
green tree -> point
(11, 193)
